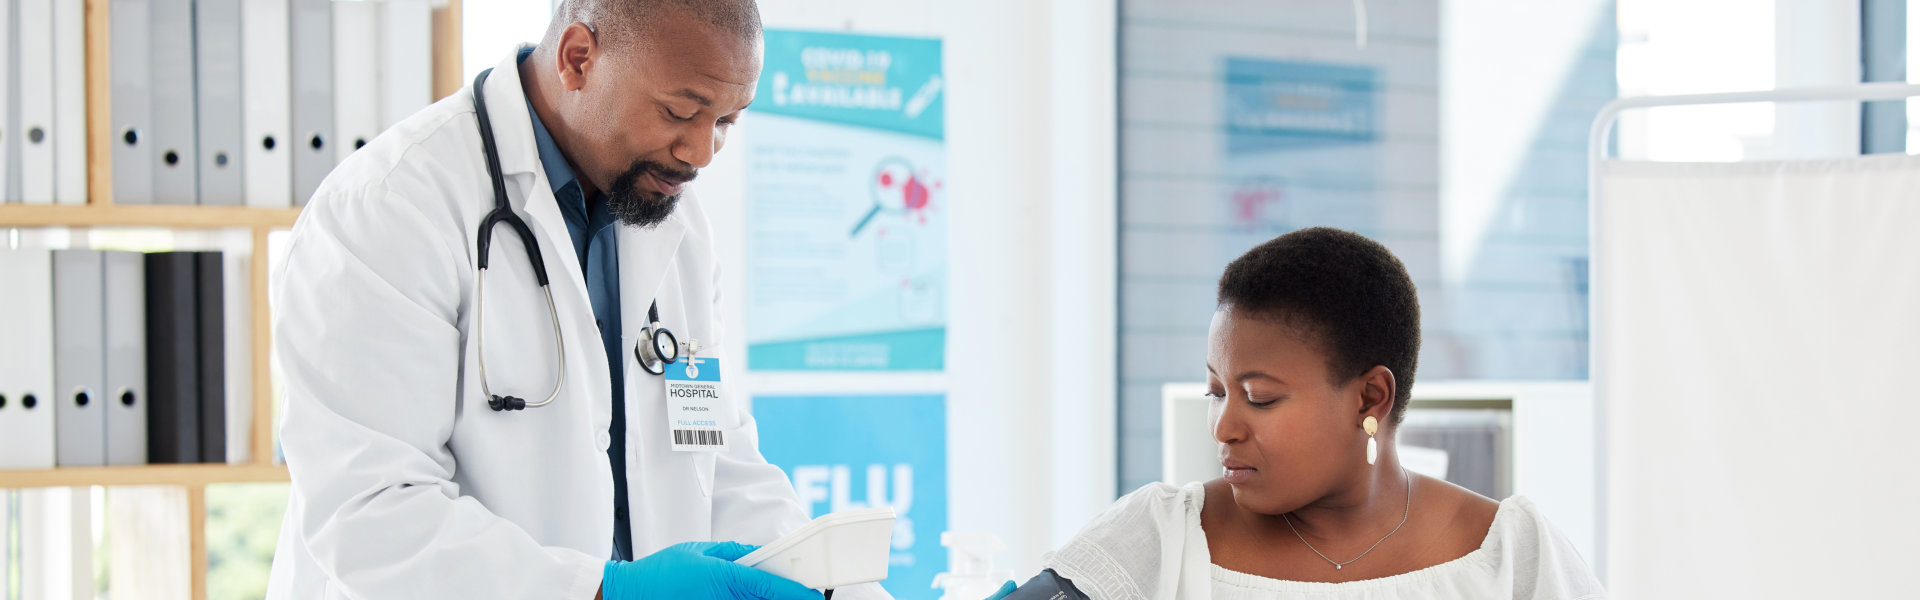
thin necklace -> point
(1396, 529)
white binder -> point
(356, 76)
(132, 100)
(70, 102)
(78, 356)
(175, 179)
(125, 393)
(9, 118)
(406, 54)
(266, 93)
(216, 54)
(26, 361)
(236, 273)
(34, 93)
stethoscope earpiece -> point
(506, 403)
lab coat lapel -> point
(645, 255)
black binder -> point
(213, 357)
(173, 359)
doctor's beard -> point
(630, 205)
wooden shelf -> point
(178, 217)
(191, 476)
(103, 212)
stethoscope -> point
(654, 357)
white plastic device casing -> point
(833, 551)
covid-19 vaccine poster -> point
(858, 451)
(847, 205)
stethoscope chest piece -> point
(663, 350)
(655, 357)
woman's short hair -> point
(1346, 293)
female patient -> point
(1309, 364)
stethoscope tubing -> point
(503, 213)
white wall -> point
(1030, 140)
(1817, 42)
(489, 29)
(1497, 93)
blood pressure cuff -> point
(1048, 585)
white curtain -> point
(1759, 346)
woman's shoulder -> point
(1159, 491)
(1153, 504)
(1519, 519)
(1135, 530)
(1160, 495)
(1528, 542)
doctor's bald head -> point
(622, 22)
(640, 94)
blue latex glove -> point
(1005, 589)
(697, 571)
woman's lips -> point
(1236, 472)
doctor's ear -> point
(575, 54)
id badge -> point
(694, 405)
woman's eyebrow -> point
(1245, 375)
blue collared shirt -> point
(595, 244)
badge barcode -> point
(689, 437)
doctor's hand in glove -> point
(697, 571)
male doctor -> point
(425, 462)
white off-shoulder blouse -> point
(1149, 545)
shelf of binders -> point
(165, 353)
(204, 114)
(247, 119)
(132, 65)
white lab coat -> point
(405, 483)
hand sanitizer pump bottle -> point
(970, 574)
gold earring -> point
(1372, 426)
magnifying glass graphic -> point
(894, 189)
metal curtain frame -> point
(1597, 149)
